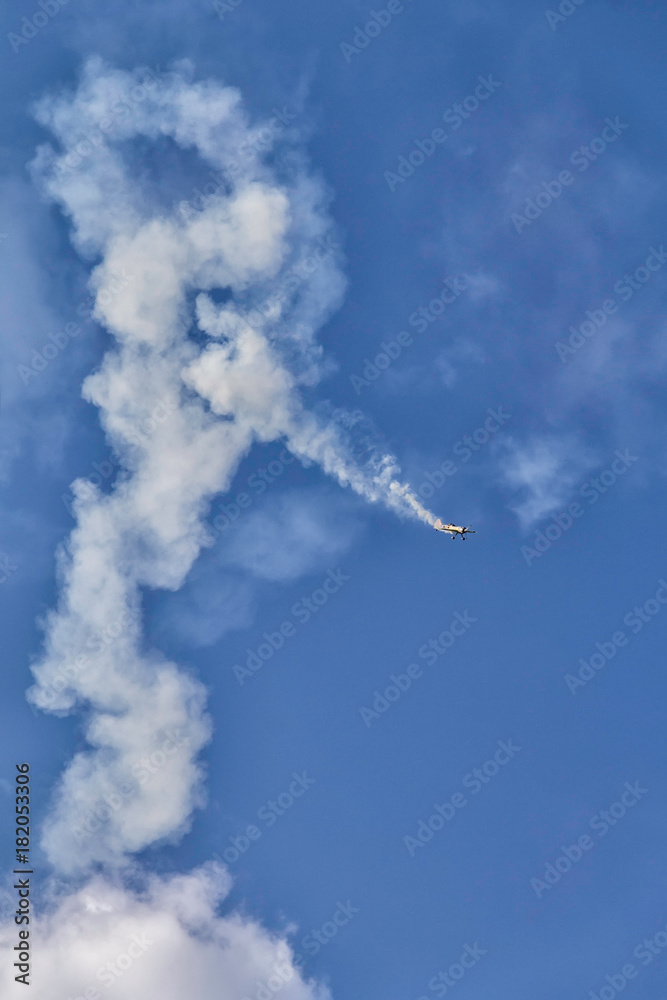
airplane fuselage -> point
(452, 529)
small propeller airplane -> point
(454, 529)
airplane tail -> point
(438, 524)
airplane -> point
(454, 529)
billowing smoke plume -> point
(180, 414)
(213, 300)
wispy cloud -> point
(542, 472)
(280, 539)
(293, 534)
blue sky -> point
(527, 218)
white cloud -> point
(543, 472)
(292, 534)
(166, 940)
(212, 603)
(280, 539)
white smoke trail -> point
(180, 417)
(148, 531)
